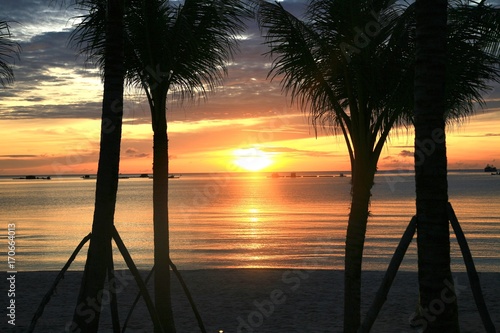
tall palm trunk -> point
(160, 215)
(88, 309)
(437, 296)
(362, 181)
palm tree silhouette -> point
(433, 239)
(350, 63)
(9, 50)
(99, 258)
(178, 49)
(433, 71)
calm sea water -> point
(242, 220)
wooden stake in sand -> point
(391, 272)
(59, 277)
(114, 304)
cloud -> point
(394, 163)
(299, 152)
(403, 146)
(482, 135)
(47, 84)
(91, 110)
(132, 152)
(18, 156)
(399, 161)
(33, 17)
(406, 153)
(52, 82)
(465, 165)
(54, 165)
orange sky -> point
(49, 119)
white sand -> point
(248, 300)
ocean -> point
(240, 220)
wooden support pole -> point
(59, 277)
(471, 271)
(138, 279)
(389, 276)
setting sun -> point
(252, 159)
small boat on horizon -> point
(490, 168)
(171, 176)
(31, 177)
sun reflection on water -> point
(254, 215)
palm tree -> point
(99, 258)
(9, 50)
(169, 49)
(350, 63)
(430, 165)
(357, 88)
(431, 70)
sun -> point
(252, 159)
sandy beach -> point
(248, 300)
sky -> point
(50, 116)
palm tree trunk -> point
(362, 182)
(160, 216)
(437, 295)
(88, 309)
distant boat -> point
(144, 175)
(33, 177)
(89, 177)
(341, 175)
(490, 168)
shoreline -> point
(247, 300)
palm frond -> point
(182, 48)
(204, 39)
(9, 52)
(332, 58)
(300, 61)
(474, 56)
(88, 37)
